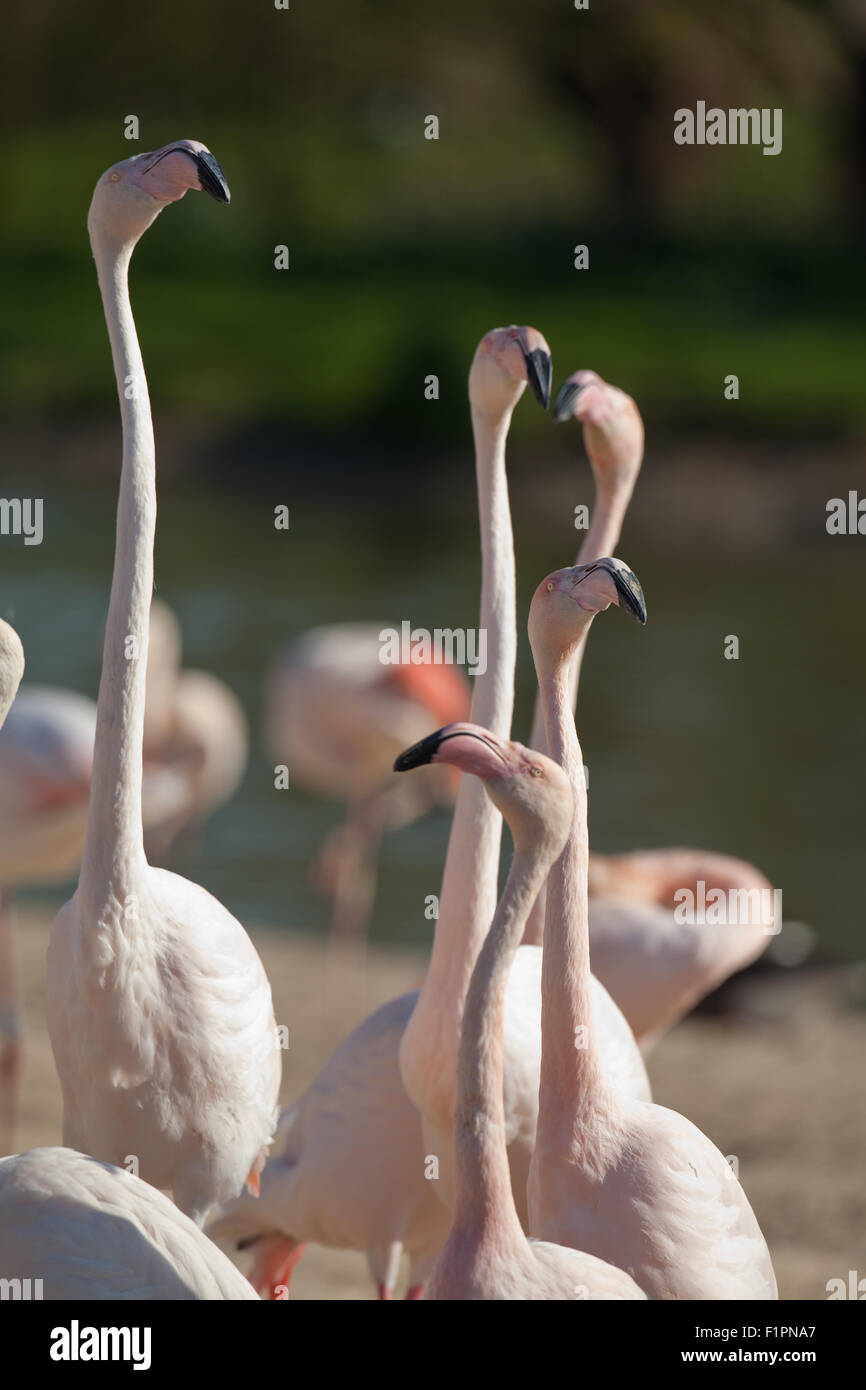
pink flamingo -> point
(159, 1009)
(487, 1255)
(631, 1182)
(337, 717)
(656, 968)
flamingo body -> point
(542, 1271)
(162, 1028)
(92, 1232)
(348, 1167)
(662, 1204)
(330, 1180)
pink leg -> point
(275, 1259)
(415, 1291)
(384, 1293)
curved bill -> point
(628, 587)
(419, 754)
(425, 751)
(210, 175)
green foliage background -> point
(556, 128)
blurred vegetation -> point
(556, 128)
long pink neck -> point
(571, 1076)
(483, 1200)
(114, 854)
(601, 539)
(469, 883)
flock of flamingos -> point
(495, 1126)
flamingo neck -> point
(469, 883)
(601, 539)
(483, 1200)
(571, 1081)
(114, 852)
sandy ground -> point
(785, 1095)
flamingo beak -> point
(628, 587)
(471, 749)
(539, 374)
(420, 753)
(211, 178)
(566, 400)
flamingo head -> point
(612, 427)
(565, 603)
(532, 792)
(505, 360)
(132, 193)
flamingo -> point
(337, 717)
(628, 1181)
(358, 1081)
(92, 1232)
(655, 967)
(487, 1255)
(159, 1009)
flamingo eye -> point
(550, 588)
(535, 771)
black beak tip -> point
(563, 407)
(405, 761)
(539, 374)
(631, 595)
(419, 754)
(628, 588)
(211, 177)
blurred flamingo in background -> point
(336, 717)
(196, 730)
